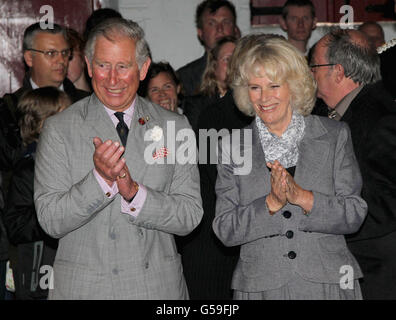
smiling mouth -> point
(267, 108)
(114, 91)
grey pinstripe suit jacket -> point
(327, 166)
(103, 253)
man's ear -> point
(282, 24)
(89, 66)
(315, 21)
(178, 88)
(237, 32)
(28, 56)
(339, 73)
(144, 69)
(199, 34)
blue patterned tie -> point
(122, 127)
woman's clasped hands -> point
(284, 189)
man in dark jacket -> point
(46, 52)
(214, 19)
(347, 69)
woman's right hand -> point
(276, 199)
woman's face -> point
(222, 62)
(163, 91)
(271, 101)
(76, 66)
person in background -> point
(387, 53)
(76, 69)
(208, 265)
(213, 87)
(346, 66)
(298, 20)
(97, 17)
(36, 251)
(290, 212)
(47, 53)
(162, 87)
(374, 32)
(214, 19)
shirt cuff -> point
(110, 192)
(133, 208)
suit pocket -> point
(333, 243)
(258, 259)
(334, 254)
(76, 281)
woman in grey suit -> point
(291, 211)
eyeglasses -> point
(52, 54)
(321, 65)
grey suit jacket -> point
(327, 166)
(104, 253)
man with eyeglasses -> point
(46, 52)
(346, 67)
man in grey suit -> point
(114, 206)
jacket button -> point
(146, 265)
(115, 271)
(287, 214)
(289, 234)
(292, 255)
(133, 209)
(112, 236)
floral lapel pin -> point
(156, 133)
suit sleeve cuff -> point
(135, 206)
(110, 192)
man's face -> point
(299, 23)
(47, 71)
(115, 73)
(216, 26)
(324, 76)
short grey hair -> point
(360, 60)
(282, 63)
(31, 32)
(114, 27)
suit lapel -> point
(98, 122)
(313, 153)
(135, 144)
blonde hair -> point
(282, 63)
(37, 105)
